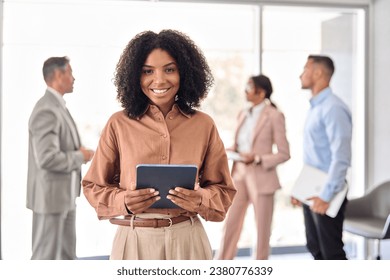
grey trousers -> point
(54, 236)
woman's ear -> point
(260, 92)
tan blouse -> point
(176, 139)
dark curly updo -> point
(263, 82)
(195, 74)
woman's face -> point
(160, 79)
(250, 90)
(253, 95)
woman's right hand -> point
(137, 201)
(247, 158)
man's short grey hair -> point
(53, 63)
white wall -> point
(1, 68)
(379, 101)
(379, 136)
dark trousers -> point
(324, 234)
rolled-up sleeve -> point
(339, 132)
(100, 184)
(216, 181)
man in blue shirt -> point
(327, 146)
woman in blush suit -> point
(254, 173)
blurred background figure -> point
(260, 127)
(54, 167)
(327, 142)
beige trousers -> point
(263, 205)
(182, 241)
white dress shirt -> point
(245, 134)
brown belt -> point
(155, 223)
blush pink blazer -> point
(269, 130)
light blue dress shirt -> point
(327, 140)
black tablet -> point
(164, 177)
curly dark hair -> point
(195, 74)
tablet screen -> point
(164, 177)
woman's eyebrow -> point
(168, 64)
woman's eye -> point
(147, 71)
(170, 70)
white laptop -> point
(310, 183)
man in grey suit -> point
(54, 167)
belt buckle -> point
(170, 222)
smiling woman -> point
(161, 79)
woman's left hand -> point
(247, 158)
(187, 199)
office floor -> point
(300, 256)
(281, 253)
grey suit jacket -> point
(54, 159)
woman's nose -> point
(159, 77)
